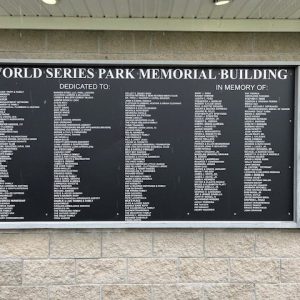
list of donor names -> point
(209, 153)
(68, 199)
(12, 103)
(142, 157)
(258, 171)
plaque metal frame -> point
(178, 224)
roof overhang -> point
(150, 24)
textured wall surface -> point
(149, 264)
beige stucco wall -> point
(149, 264)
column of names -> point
(208, 153)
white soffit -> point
(179, 15)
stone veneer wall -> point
(149, 264)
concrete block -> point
(72, 41)
(20, 245)
(177, 292)
(127, 244)
(229, 243)
(105, 270)
(114, 42)
(254, 270)
(290, 270)
(23, 293)
(277, 291)
(49, 272)
(10, 272)
(178, 243)
(75, 245)
(278, 243)
(276, 42)
(152, 270)
(22, 41)
(74, 292)
(126, 292)
(229, 291)
(204, 270)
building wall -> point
(149, 264)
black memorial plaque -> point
(146, 143)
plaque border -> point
(177, 224)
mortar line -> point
(101, 242)
(75, 269)
(134, 42)
(151, 292)
(229, 270)
(255, 237)
(203, 243)
(22, 274)
(126, 270)
(46, 40)
(152, 244)
(280, 275)
(49, 255)
(202, 294)
(49, 247)
(98, 43)
(177, 270)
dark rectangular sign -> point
(146, 143)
